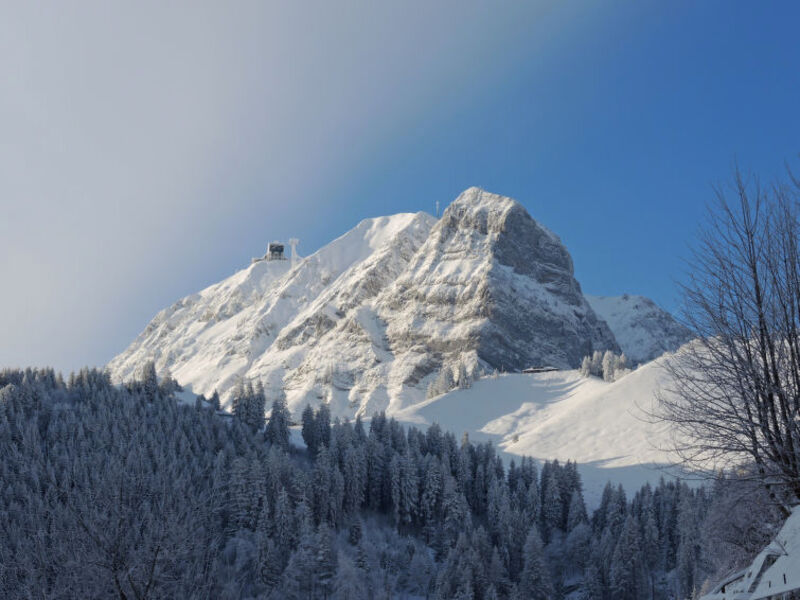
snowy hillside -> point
(643, 329)
(603, 426)
(368, 321)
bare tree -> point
(736, 389)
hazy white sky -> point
(149, 148)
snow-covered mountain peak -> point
(491, 288)
(380, 314)
(643, 329)
(489, 211)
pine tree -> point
(463, 380)
(688, 551)
(270, 564)
(277, 431)
(496, 572)
(577, 511)
(534, 581)
(309, 430)
(257, 408)
(240, 494)
(321, 486)
(627, 580)
(551, 505)
(149, 381)
(239, 402)
(586, 366)
(214, 400)
(609, 362)
(409, 488)
(283, 524)
(323, 425)
(300, 577)
(326, 561)
(355, 532)
(355, 471)
(168, 385)
(597, 363)
(593, 588)
(622, 363)
(349, 582)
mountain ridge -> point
(369, 321)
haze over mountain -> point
(370, 320)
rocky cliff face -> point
(368, 321)
(493, 288)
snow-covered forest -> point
(126, 492)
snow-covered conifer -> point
(627, 579)
(277, 431)
(309, 430)
(149, 380)
(609, 364)
(534, 581)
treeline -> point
(608, 365)
(122, 492)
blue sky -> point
(147, 151)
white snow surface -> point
(643, 329)
(562, 415)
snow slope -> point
(562, 415)
(643, 329)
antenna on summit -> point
(437, 209)
(293, 245)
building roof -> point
(774, 571)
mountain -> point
(643, 329)
(372, 319)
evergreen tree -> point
(627, 579)
(349, 582)
(149, 381)
(577, 511)
(168, 385)
(326, 561)
(214, 400)
(277, 431)
(270, 563)
(586, 366)
(688, 551)
(299, 580)
(534, 581)
(355, 532)
(609, 363)
(309, 430)
(283, 524)
(323, 425)
(551, 505)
